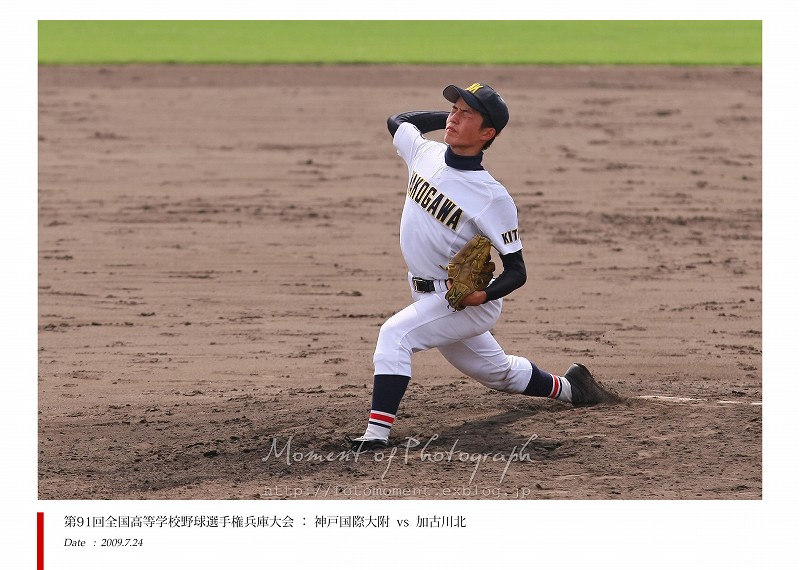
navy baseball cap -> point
(483, 98)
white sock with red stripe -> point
(379, 425)
(562, 389)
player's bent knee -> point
(392, 355)
(395, 363)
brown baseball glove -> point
(470, 270)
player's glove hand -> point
(470, 270)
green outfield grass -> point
(692, 42)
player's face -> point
(463, 131)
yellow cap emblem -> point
(473, 88)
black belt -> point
(423, 285)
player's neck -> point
(463, 162)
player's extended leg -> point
(483, 359)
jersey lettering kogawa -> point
(445, 207)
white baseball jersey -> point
(445, 207)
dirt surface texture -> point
(218, 247)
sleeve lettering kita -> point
(445, 207)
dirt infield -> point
(218, 247)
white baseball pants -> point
(462, 337)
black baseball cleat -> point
(585, 389)
(362, 444)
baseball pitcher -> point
(455, 212)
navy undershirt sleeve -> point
(425, 121)
(513, 276)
